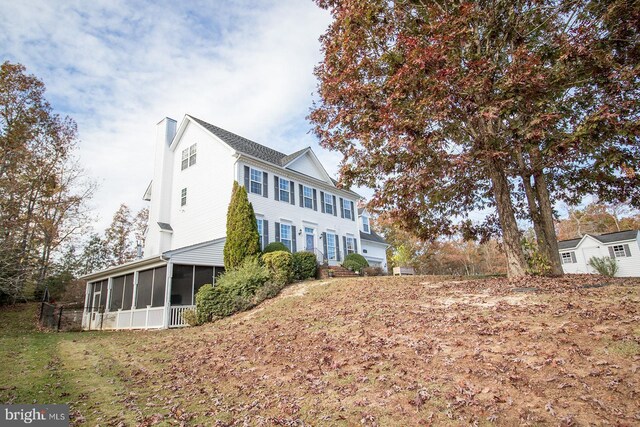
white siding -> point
(160, 206)
(590, 247)
(307, 166)
(376, 253)
(278, 211)
(210, 254)
(208, 185)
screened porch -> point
(140, 299)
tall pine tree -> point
(243, 239)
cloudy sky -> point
(119, 67)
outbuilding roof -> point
(617, 236)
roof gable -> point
(302, 161)
(306, 162)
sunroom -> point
(151, 292)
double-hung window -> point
(183, 197)
(284, 188)
(328, 204)
(365, 224)
(285, 235)
(260, 232)
(307, 195)
(351, 245)
(331, 247)
(347, 212)
(189, 156)
(256, 181)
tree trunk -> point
(534, 211)
(546, 216)
(516, 264)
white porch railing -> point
(176, 318)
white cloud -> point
(118, 68)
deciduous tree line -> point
(446, 107)
(43, 195)
(42, 187)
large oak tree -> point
(445, 107)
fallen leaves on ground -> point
(405, 351)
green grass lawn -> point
(88, 370)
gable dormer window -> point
(189, 156)
(284, 190)
(365, 224)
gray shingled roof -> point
(617, 236)
(251, 148)
(372, 237)
(244, 145)
(290, 157)
(568, 244)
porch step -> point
(338, 271)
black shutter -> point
(355, 245)
(315, 200)
(337, 248)
(294, 237)
(276, 188)
(342, 207)
(246, 179)
(265, 184)
(292, 188)
(573, 257)
(335, 210)
(322, 202)
(353, 212)
(344, 244)
(301, 195)
(611, 253)
(277, 225)
(627, 252)
(265, 233)
(324, 246)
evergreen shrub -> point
(304, 265)
(280, 266)
(275, 246)
(355, 262)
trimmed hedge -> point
(275, 246)
(355, 262)
(235, 291)
(280, 266)
(304, 265)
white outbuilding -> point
(623, 246)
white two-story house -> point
(295, 200)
